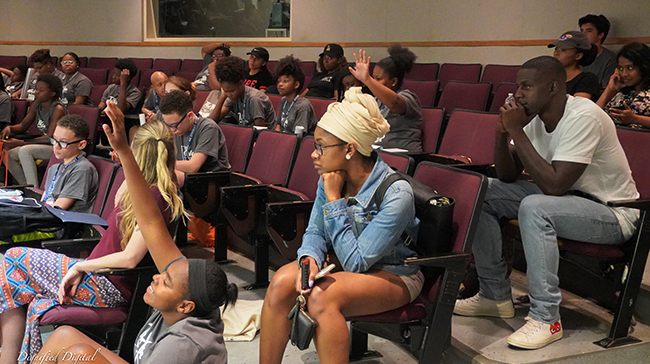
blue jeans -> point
(542, 218)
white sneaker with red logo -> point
(535, 334)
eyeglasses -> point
(64, 145)
(67, 62)
(319, 148)
(215, 56)
(175, 126)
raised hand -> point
(362, 71)
(116, 135)
(124, 77)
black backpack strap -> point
(378, 198)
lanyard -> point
(156, 101)
(285, 114)
(242, 115)
(189, 141)
(50, 188)
(382, 107)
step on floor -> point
(484, 340)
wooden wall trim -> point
(289, 44)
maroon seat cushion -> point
(415, 310)
(80, 315)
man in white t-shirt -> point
(569, 148)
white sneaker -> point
(481, 306)
(535, 334)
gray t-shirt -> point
(152, 101)
(301, 113)
(255, 104)
(77, 181)
(191, 340)
(113, 92)
(33, 80)
(12, 87)
(44, 116)
(201, 81)
(5, 109)
(207, 139)
(76, 85)
(603, 66)
(405, 131)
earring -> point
(348, 157)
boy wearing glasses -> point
(72, 184)
(200, 144)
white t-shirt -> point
(586, 135)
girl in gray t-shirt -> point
(401, 108)
(40, 121)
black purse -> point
(303, 325)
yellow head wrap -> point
(357, 119)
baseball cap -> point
(260, 53)
(572, 39)
(332, 50)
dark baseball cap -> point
(332, 50)
(260, 53)
(572, 39)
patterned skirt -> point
(32, 277)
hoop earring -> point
(348, 157)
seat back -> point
(470, 134)
(320, 106)
(400, 162)
(188, 75)
(12, 61)
(200, 99)
(304, 177)
(468, 190)
(431, 123)
(83, 61)
(192, 65)
(145, 77)
(427, 91)
(167, 64)
(98, 76)
(102, 62)
(91, 115)
(272, 157)
(136, 79)
(109, 204)
(275, 101)
(270, 65)
(106, 170)
(458, 72)
(498, 73)
(19, 111)
(423, 72)
(97, 93)
(308, 68)
(143, 63)
(500, 94)
(636, 144)
(465, 95)
(239, 140)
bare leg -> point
(345, 294)
(12, 324)
(275, 327)
(67, 344)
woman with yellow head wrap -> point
(345, 221)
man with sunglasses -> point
(71, 184)
(200, 144)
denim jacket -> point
(361, 235)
